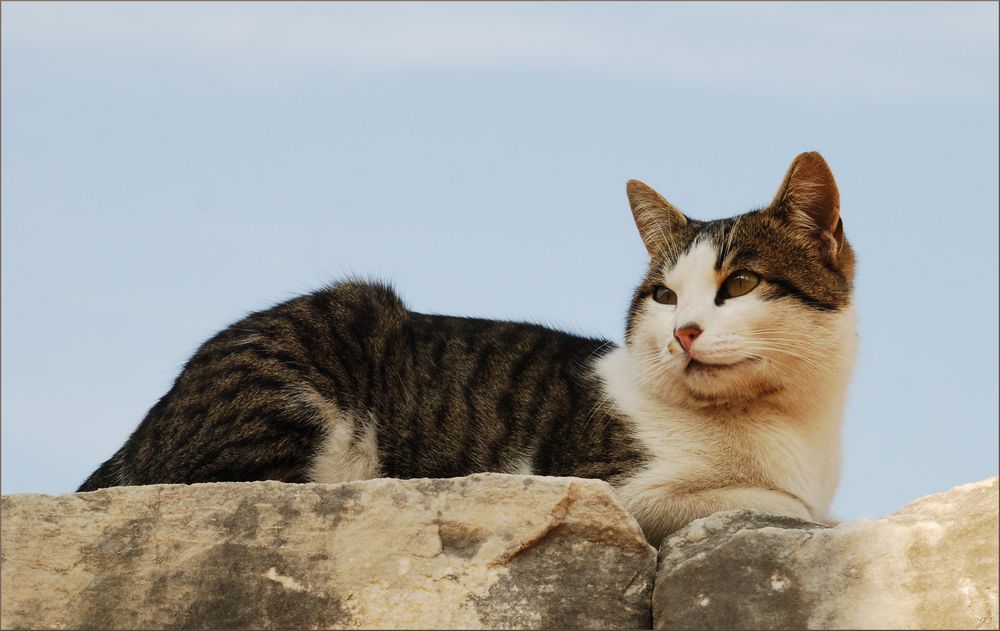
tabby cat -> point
(728, 392)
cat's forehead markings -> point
(695, 267)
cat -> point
(728, 392)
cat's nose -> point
(687, 334)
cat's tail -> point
(111, 473)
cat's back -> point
(437, 395)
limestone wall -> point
(487, 551)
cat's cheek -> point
(654, 346)
(748, 312)
(655, 331)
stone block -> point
(931, 565)
(486, 551)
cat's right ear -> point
(808, 198)
(658, 221)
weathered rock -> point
(484, 551)
(933, 564)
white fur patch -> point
(521, 466)
(694, 280)
(343, 455)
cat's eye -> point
(664, 296)
(740, 283)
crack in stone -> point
(555, 519)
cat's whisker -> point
(785, 332)
(790, 353)
(598, 407)
(820, 352)
(796, 343)
(732, 233)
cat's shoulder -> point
(347, 300)
(360, 294)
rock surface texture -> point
(933, 564)
(487, 551)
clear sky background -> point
(167, 168)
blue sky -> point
(167, 168)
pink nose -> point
(687, 334)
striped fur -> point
(443, 396)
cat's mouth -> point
(698, 366)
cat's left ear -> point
(658, 221)
(809, 199)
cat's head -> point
(741, 307)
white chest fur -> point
(783, 459)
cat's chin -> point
(718, 382)
(698, 366)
